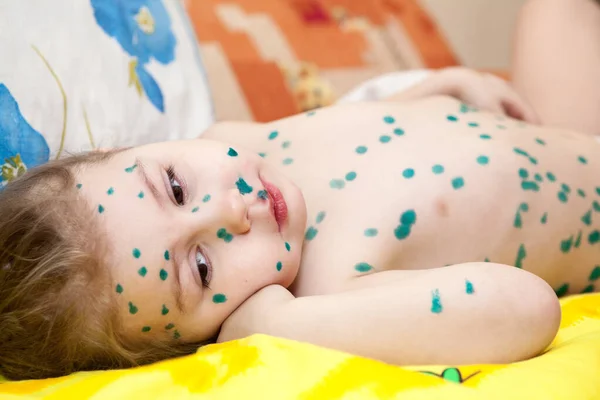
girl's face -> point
(194, 229)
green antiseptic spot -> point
(273, 135)
(561, 291)
(361, 149)
(524, 207)
(286, 144)
(232, 153)
(228, 238)
(500, 126)
(595, 274)
(518, 223)
(530, 185)
(596, 206)
(195, 209)
(587, 218)
(119, 288)
(176, 334)
(110, 191)
(565, 245)
(206, 198)
(288, 161)
(544, 218)
(146, 329)
(288, 247)
(486, 260)
(100, 209)
(243, 187)
(402, 232)
(594, 237)
(533, 160)
(163, 274)
(263, 155)
(279, 266)
(132, 308)
(136, 253)
(320, 217)
(384, 138)
(262, 194)
(350, 176)
(79, 185)
(581, 193)
(551, 177)
(473, 124)
(311, 113)
(130, 169)
(141, 194)
(398, 132)
(452, 118)
(598, 191)
(540, 141)
(337, 184)
(219, 298)
(371, 232)
(485, 136)
(582, 159)
(538, 178)
(469, 289)
(565, 188)
(458, 183)
(363, 267)
(310, 234)
(389, 119)
(483, 160)
(408, 173)
(142, 271)
(408, 217)
(436, 302)
(521, 152)
(562, 196)
(464, 108)
(166, 255)
(578, 240)
(521, 254)
(523, 173)
(588, 289)
(164, 310)
(221, 233)
(437, 169)
(169, 326)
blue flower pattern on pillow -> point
(21, 146)
(143, 29)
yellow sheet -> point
(262, 367)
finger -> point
(513, 104)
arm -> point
(511, 315)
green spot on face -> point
(119, 288)
(458, 183)
(219, 298)
(136, 253)
(110, 191)
(243, 187)
(206, 198)
(141, 194)
(132, 308)
(221, 233)
(263, 155)
(228, 238)
(521, 254)
(131, 169)
(561, 291)
(408, 173)
(521, 152)
(523, 173)
(544, 218)
(310, 234)
(169, 326)
(288, 161)
(371, 232)
(582, 159)
(538, 178)
(473, 124)
(398, 132)
(279, 266)
(551, 177)
(166, 255)
(176, 334)
(578, 240)
(361, 149)
(483, 160)
(232, 153)
(337, 184)
(588, 289)
(485, 136)
(262, 194)
(565, 245)
(164, 310)
(595, 273)
(565, 188)
(594, 237)
(562, 196)
(437, 169)
(286, 144)
(587, 218)
(402, 232)
(350, 176)
(320, 217)
(540, 141)
(273, 135)
(146, 329)
(469, 289)
(384, 138)
(79, 185)
(408, 217)
(287, 246)
(100, 209)
(389, 119)
(452, 118)
(363, 267)
(436, 302)
(195, 209)
(163, 274)
(142, 271)
(581, 193)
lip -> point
(278, 204)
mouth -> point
(278, 204)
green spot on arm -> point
(437, 169)
(279, 266)
(166, 255)
(132, 308)
(388, 119)
(110, 191)
(594, 237)
(350, 176)
(320, 217)
(521, 254)
(100, 209)
(273, 135)
(436, 302)
(311, 233)
(136, 253)
(469, 289)
(131, 169)
(206, 198)
(163, 274)
(287, 246)
(164, 310)
(458, 183)
(142, 271)
(408, 217)
(119, 288)
(141, 194)
(361, 149)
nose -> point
(235, 212)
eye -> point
(204, 268)
(176, 187)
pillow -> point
(81, 74)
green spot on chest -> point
(561, 291)
(530, 185)
(464, 108)
(483, 160)
(273, 135)
(402, 232)
(595, 274)
(206, 198)
(286, 144)
(384, 138)
(140, 195)
(110, 191)
(337, 184)
(361, 149)
(398, 132)
(79, 185)
(452, 118)
(263, 155)
(562, 197)
(485, 136)
(287, 246)
(408, 217)
(436, 302)
(136, 253)
(363, 267)
(523, 173)
(408, 173)
(469, 289)
(521, 254)
(578, 240)
(320, 217)
(163, 274)
(142, 271)
(544, 218)
(458, 183)
(473, 124)
(232, 153)
(166, 255)
(581, 193)
(565, 245)
(279, 266)
(587, 218)
(520, 152)
(119, 288)
(594, 237)
(131, 169)
(311, 233)
(164, 310)
(389, 119)
(288, 161)
(518, 222)
(146, 329)
(582, 159)
(596, 206)
(169, 326)
(195, 209)
(565, 188)
(371, 232)
(540, 141)
(132, 308)
(538, 178)
(437, 169)
(219, 298)
(243, 187)
(176, 334)
(350, 176)
(551, 177)
(100, 209)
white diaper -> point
(385, 85)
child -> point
(385, 229)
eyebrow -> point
(148, 182)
